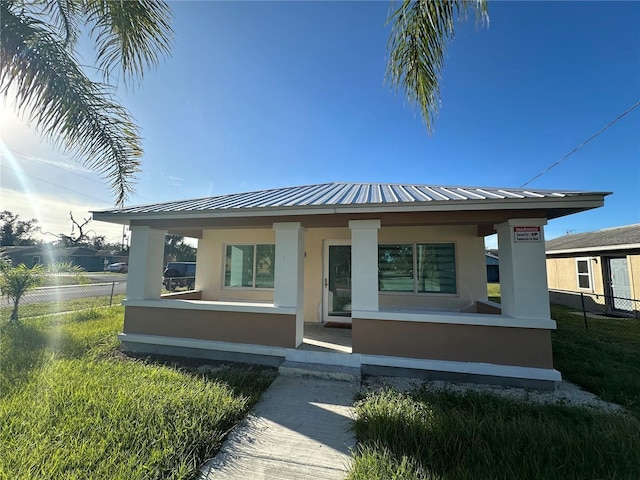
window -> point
(583, 267)
(417, 268)
(249, 266)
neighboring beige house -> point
(604, 264)
(403, 265)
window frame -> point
(254, 269)
(589, 273)
(414, 264)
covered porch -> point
(408, 276)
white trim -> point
(219, 306)
(203, 344)
(456, 318)
(604, 248)
(473, 368)
(589, 273)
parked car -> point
(118, 267)
(179, 274)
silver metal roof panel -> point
(345, 194)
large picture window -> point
(249, 266)
(417, 268)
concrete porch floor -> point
(319, 338)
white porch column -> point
(523, 269)
(288, 288)
(364, 264)
(146, 259)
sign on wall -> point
(527, 234)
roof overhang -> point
(602, 248)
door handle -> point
(326, 282)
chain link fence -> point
(599, 306)
(65, 298)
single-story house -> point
(403, 265)
(89, 259)
(604, 264)
(493, 266)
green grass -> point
(48, 308)
(448, 436)
(442, 435)
(605, 359)
(72, 407)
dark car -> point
(179, 274)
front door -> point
(337, 282)
(620, 285)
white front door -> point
(336, 296)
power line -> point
(54, 184)
(50, 164)
(581, 145)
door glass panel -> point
(339, 281)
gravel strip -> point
(566, 393)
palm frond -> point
(417, 44)
(131, 34)
(69, 109)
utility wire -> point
(581, 145)
(101, 200)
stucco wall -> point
(470, 264)
(525, 347)
(562, 274)
(634, 275)
(277, 330)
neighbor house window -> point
(249, 266)
(417, 268)
(583, 267)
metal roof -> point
(345, 194)
(606, 239)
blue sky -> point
(269, 94)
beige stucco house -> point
(603, 265)
(403, 265)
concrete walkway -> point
(299, 430)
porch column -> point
(364, 264)
(523, 269)
(288, 288)
(146, 258)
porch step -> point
(322, 371)
(324, 358)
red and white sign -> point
(527, 234)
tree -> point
(14, 232)
(76, 238)
(417, 44)
(16, 281)
(39, 65)
(175, 250)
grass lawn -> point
(72, 407)
(63, 305)
(447, 436)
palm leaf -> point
(417, 44)
(131, 33)
(69, 109)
